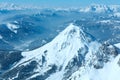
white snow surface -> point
(100, 8)
(9, 6)
(117, 14)
(12, 27)
(61, 50)
(109, 72)
(94, 8)
(117, 45)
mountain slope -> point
(110, 71)
(72, 51)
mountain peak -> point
(69, 41)
(70, 51)
(63, 48)
(72, 33)
(101, 8)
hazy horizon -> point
(61, 3)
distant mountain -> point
(101, 8)
(39, 23)
(8, 6)
(59, 44)
(72, 55)
(13, 6)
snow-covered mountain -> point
(72, 55)
(112, 10)
(8, 6)
(41, 44)
(22, 23)
(101, 8)
(98, 8)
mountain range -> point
(72, 55)
(60, 44)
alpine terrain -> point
(60, 44)
(72, 55)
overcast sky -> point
(61, 3)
